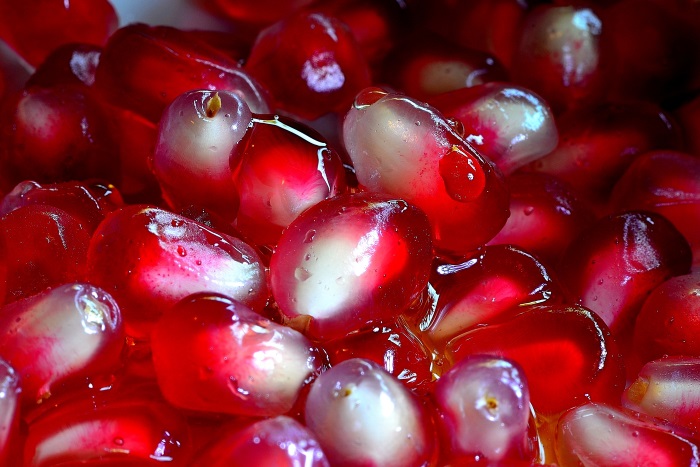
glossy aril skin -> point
(509, 124)
(486, 288)
(566, 352)
(319, 58)
(595, 434)
(358, 393)
(406, 148)
(76, 328)
(215, 355)
(36, 35)
(150, 258)
(280, 441)
(612, 267)
(483, 406)
(280, 169)
(197, 133)
(349, 262)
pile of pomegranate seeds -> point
(375, 233)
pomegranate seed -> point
(216, 355)
(76, 329)
(351, 261)
(363, 416)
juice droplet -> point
(462, 175)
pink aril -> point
(197, 134)
(280, 169)
(487, 287)
(599, 434)
(10, 391)
(44, 246)
(546, 213)
(566, 352)
(668, 322)
(405, 148)
(278, 441)
(668, 183)
(64, 333)
(614, 264)
(363, 416)
(424, 65)
(349, 262)
(215, 355)
(483, 410)
(322, 65)
(669, 389)
(509, 124)
(116, 427)
(150, 258)
(559, 55)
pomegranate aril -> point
(44, 246)
(280, 441)
(668, 389)
(196, 136)
(483, 407)
(407, 149)
(424, 66)
(668, 183)
(361, 415)
(280, 169)
(546, 213)
(688, 116)
(150, 258)
(351, 261)
(597, 434)
(322, 65)
(566, 352)
(485, 288)
(508, 124)
(614, 264)
(598, 143)
(35, 27)
(10, 444)
(257, 12)
(215, 355)
(73, 64)
(69, 331)
(668, 322)
(137, 56)
(394, 346)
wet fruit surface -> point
(349, 233)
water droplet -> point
(309, 237)
(118, 441)
(181, 250)
(177, 222)
(457, 126)
(462, 175)
(198, 262)
(307, 257)
(368, 97)
(528, 210)
(301, 274)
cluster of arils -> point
(351, 232)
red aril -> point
(150, 258)
(215, 355)
(73, 64)
(9, 419)
(566, 352)
(349, 262)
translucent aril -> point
(407, 149)
(66, 332)
(363, 416)
(598, 434)
(483, 407)
(280, 441)
(9, 414)
(280, 169)
(669, 321)
(566, 352)
(350, 261)
(559, 55)
(197, 133)
(150, 258)
(669, 389)
(509, 124)
(612, 266)
(485, 288)
(215, 355)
